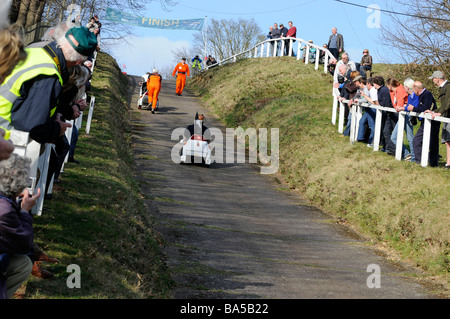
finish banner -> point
(122, 17)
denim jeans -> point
(363, 68)
(369, 118)
(349, 122)
(409, 128)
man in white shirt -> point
(369, 94)
(345, 61)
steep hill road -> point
(231, 232)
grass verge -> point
(97, 220)
(399, 205)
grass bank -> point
(97, 220)
(400, 206)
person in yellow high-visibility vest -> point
(153, 87)
(181, 69)
(29, 95)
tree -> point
(226, 38)
(422, 36)
(26, 13)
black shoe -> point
(153, 111)
(72, 160)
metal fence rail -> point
(271, 47)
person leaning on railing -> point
(413, 99)
(389, 119)
(349, 91)
(444, 110)
(399, 97)
(29, 95)
(368, 117)
(426, 102)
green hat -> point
(87, 40)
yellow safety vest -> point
(38, 62)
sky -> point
(152, 48)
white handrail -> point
(356, 113)
(272, 44)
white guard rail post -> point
(272, 48)
(40, 157)
(356, 116)
(91, 111)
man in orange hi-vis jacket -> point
(183, 69)
(153, 87)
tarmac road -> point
(231, 232)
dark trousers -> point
(433, 158)
(57, 157)
(389, 125)
(334, 52)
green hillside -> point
(400, 206)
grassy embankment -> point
(98, 220)
(400, 205)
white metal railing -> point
(356, 114)
(269, 48)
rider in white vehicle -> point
(196, 143)
(198, 128)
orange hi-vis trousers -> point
(153, 87)
(181, 82)
(183, 70)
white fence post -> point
(335, 108)
(426, 141)
(291, 42)
(306, 57)
(91, 111)
(39, 154)
(341, 117)
(377, 135)
(79, 120)
(400, 130)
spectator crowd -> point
(353, 84)
(44, 86)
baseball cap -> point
(87, 40)
(437, 74)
